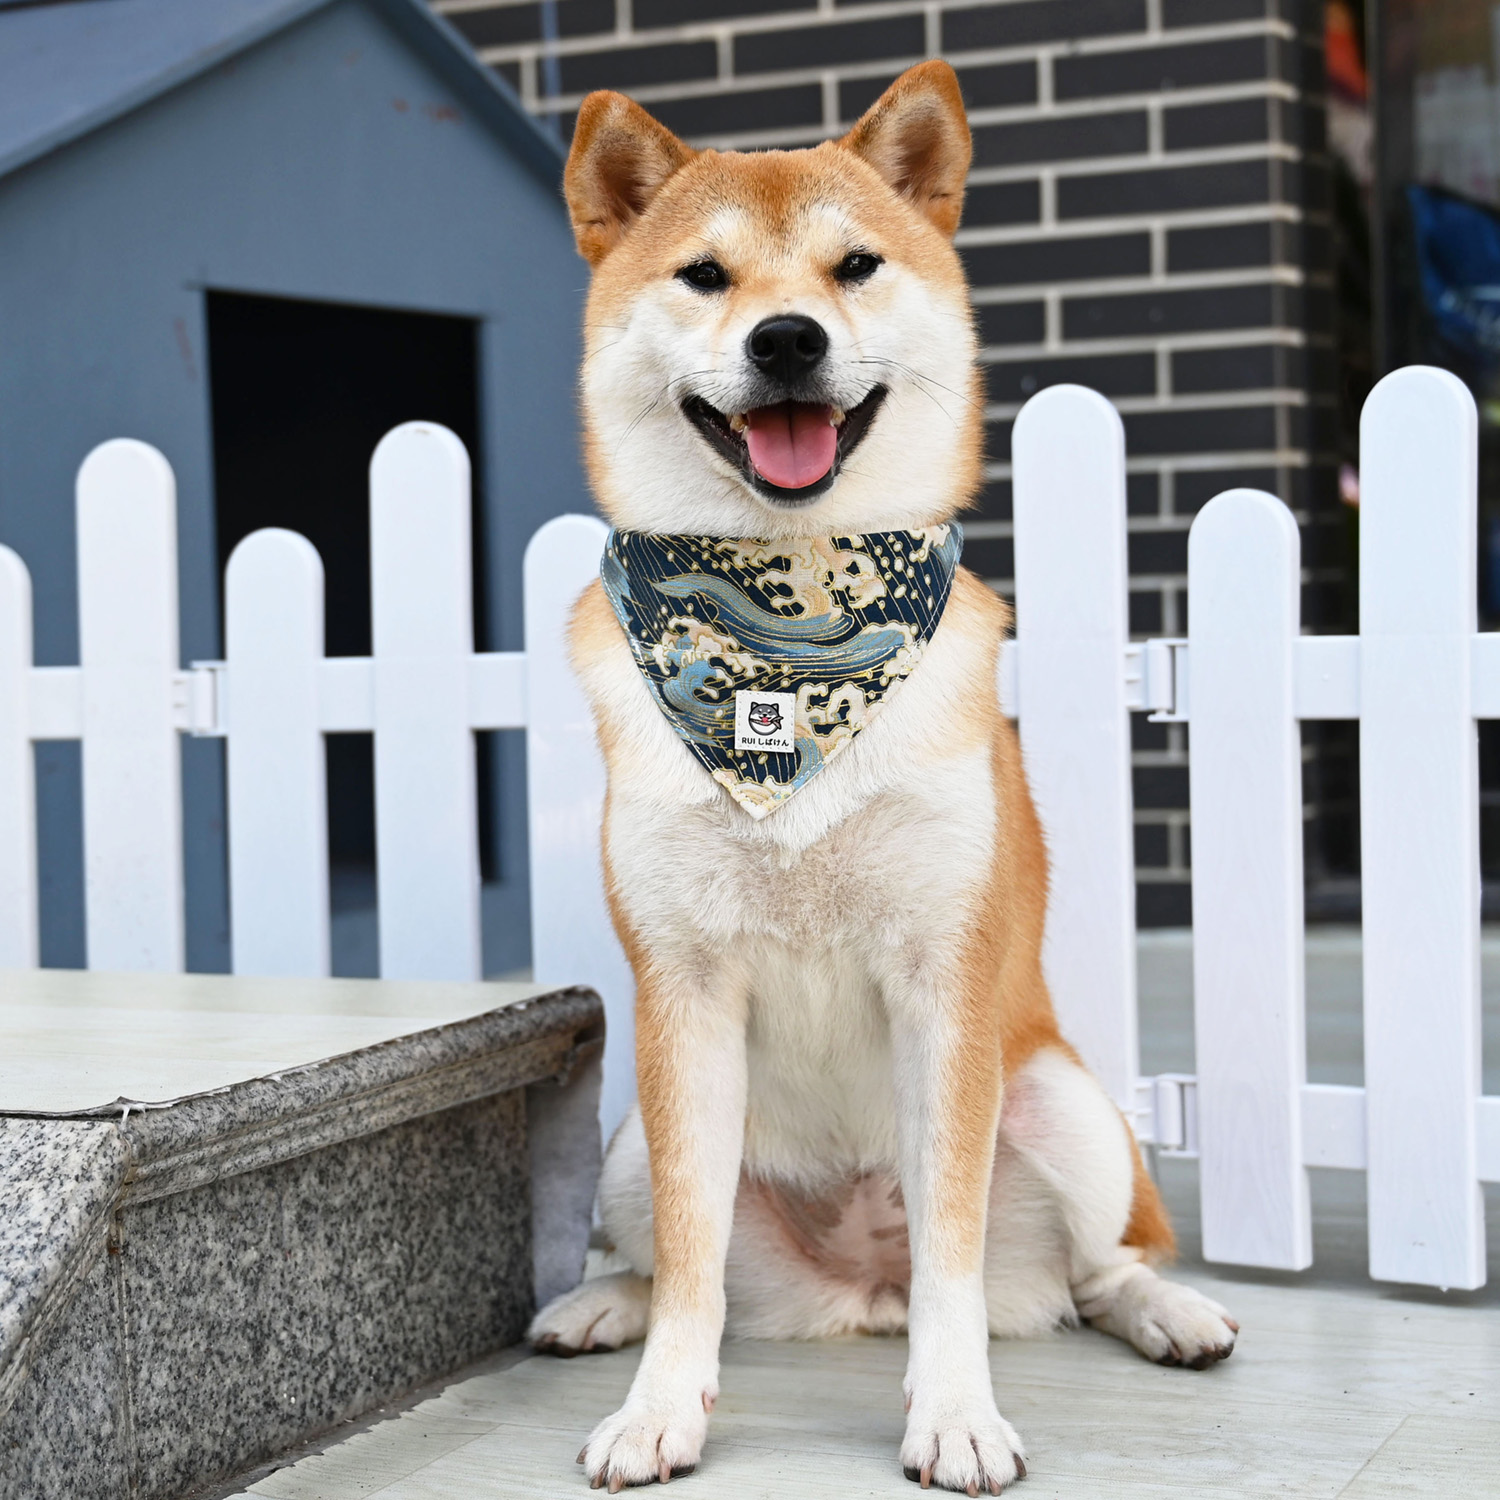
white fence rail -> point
(1417, 676)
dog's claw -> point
(664, 1472)
(583, 1454)
(1020, 1466)
(973, 1490)
(912, 1474)
(616, 1483)
(926, 1477)
(597, 1482)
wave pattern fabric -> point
(839, 622)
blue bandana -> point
(769, 657)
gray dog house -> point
(258, 234)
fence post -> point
(572, 938)
(127, 641)
(18, 909)
(1245, 779)
(278, 812)
(422, 626)
(1068, 449)
(1419, 823)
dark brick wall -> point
(1147, 214)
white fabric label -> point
(764, 721)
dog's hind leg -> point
(1062, 1126)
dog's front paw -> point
(594, 1317)
(1168, 1322)
(968, 1447)
(654, 1436)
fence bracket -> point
(1166, 1113)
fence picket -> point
(278, 815)
(1419, 824)
(572, 940)
(1246, 794)
(422, 626)
(18, 896)
(1068, 449)
(127, 645)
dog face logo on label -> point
(764, 721)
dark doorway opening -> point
(301, 394)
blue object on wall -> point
(340, 151)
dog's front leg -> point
(945, 1039)
(690, 1070)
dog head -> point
(778, 343)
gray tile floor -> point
(1339, 1387)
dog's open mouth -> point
(791, 451)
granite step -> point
(302, 1199)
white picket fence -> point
(1418, 676)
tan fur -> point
(856, 1110)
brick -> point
(1111, 374)
(990, 556)
(508, 25)
(995, 502)
(827, 46)
(1188, 310)
(1163, 903)
(1242, 367)
(1049, 260)
(746, 109)
(637, 67)
(1142, 495)
(1160, 786)
(1157, 551)
(1144, 735)
(1214, 12)
(1145, 612)
(999, 85)
(1195, 127)
(1012, 322)
(1192, 489)
(1151, 190)
(1061, 138)
(1152, 849)
(1220, 246)
(649, 13)
(856, 95)
(1149, 70)
(1003, 203)
(1020, 24)
(1216, 429)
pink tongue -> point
(792, 445)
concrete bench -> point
(304, 1197)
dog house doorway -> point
(301, 393)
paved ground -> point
(1339, 1387)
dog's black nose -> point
(786, 347)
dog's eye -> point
(705, 275)
(856, 266)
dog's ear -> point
(917, 137)
(620, 159)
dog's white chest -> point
(866, 873)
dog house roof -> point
(67, 69)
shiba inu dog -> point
(856, 1110)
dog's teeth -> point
(836, 416)
(737, 422)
